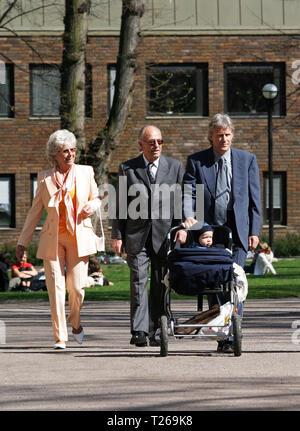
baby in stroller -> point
(203, 238)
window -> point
(7, 201)
(45, 90)
(111, 77)
(279, 198)
(180, 89)
(6, 90)
(33, 183)
(243, 87)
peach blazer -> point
(86, 192)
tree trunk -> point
(72, 108)
(100, 149)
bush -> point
(31, 251)
(106, 253)
(9, 248)
(287, 246)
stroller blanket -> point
(192, 269)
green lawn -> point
(286, 283)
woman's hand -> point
(86, 211)
(20, 252)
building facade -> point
(196, 58)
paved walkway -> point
(106, 373)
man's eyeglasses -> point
(153, 141)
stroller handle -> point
(223, 228)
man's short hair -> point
(219, 121)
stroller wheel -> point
(237, 334)
(163, 335)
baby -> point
(205, 237)
(202, 237)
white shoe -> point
(79, 337)
(58, 346)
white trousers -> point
(69, 272)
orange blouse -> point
(62, 211)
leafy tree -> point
(98, 151)
(73, 69)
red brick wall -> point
(23, 139)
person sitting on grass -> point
(22, 274)
(262, 261)
(95, 275)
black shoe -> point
(154, 338)
(25, 289)
(225, 346)
(228, 347)
(220, 346)
(153, 342)
(139, 338)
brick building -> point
(208, 56)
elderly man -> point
(231, 188)
(144, 234)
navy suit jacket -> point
(245, 186)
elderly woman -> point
(70, 195)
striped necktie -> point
(150, 173)
(222, 193)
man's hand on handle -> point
(181, 235)
(188, 223)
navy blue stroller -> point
(198, 272)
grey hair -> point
(219, 121)
(56, 141)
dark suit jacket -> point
(200, 169)
(134, 231)
(4, 279)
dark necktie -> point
(150, 173)
(222, 193)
